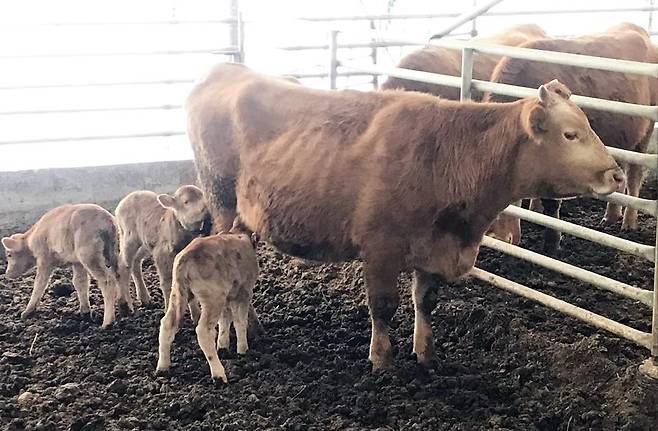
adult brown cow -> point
(625, 41)
(401, 179)
(448, 61)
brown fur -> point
(402, 179)
(149, 228)
(219, 272)
(625, 41)
(83, 236)
(447, 61)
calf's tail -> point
(110, 248)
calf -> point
(83, 236)
(220, 272)
(159, 225)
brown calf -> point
(402, 179)
(159, 225)
(219, 272)
(83, 236)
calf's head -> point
(189, 207)
(565, 157)
(19, 257)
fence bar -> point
(333, 59)
(118, 23)
(645, 251)
(649, 161)
(646, 206)
(95, 84)
(466, 17)
(372, 44)
(509, 90)
(456, 14)
(75, 110)
(223, 51)
(563, 58)
(638, 337)
(654, 319)
(605, 283)
(94, 138)
(467, 74)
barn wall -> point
(26, 195)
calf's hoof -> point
(27, 314)
(219, 380)
(629, 226)
(609, 221)
(382, 363)
(162, 371)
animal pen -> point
(339, 68)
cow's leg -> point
(424, 295)
(551, 236)
(225, 319)
(44, 269)
(205, 332)
(195, 310)
(383, 301)
(81, 285)
(95, 265)
(536, 205)
(169, 327)
(128, 246)
(634, 176)
(164, 264)
(240, 312)
(138, 277)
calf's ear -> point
(167, 201)
(9, 243)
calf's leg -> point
(255, 328)
(164, 263)
(424, 295)
(107, 283)
(205, 332)
(169, 327)
(240, 311)
(81, 285)
(225, 319)
(138, 277)
(383, 301)
(44, 269)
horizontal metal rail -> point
(103, 109)
(646, 206)
(380, 17)
(219, 51)
(563, 58)
(373, 44)
(505, 89)
(649, 161)
(641, 338)
(605, 283)
(302, 75)
(642, 250)
(94, 138)
(95, 84)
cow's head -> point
(565, 158)
(19, 257)
(189, 207)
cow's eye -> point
(570, 135)
(186, 202)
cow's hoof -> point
(162, 372)
(427, 361)
(609, 221)
(106, 326)
(382, 364)
(221, 380)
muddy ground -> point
(504, 362)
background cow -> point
(626, 42)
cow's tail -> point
(110, 248)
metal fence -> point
(648, 252)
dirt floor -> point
(504, 362)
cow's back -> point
(436, 59)
(614, 129)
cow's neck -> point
(484, 173)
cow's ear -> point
(544, 95)
(167, 201)
(10, 243)
(536, 121)
(558, 88)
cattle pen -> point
(310, 371)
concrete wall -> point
(26, 195)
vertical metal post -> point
(474, 30)
(467, 73)
(650, 367)
(333, 59)
(240, 55)
(373, 56)
(234, 28)
(650, 25)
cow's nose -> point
(617, 177)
